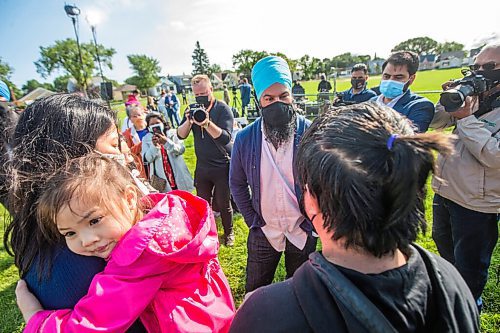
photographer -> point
(245, 91)
(467, 200)
(212, 125)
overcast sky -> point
(168, 30)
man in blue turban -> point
(263, 181)
(4, 92)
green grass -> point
(233, 260)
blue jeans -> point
(263, 259)
(173, 115)
(465, 238)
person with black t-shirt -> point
(363, 172)
(212, 146)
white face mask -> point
(120, 158)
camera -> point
(197, 112)
(234, 90)
(470, 85)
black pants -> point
(465, 238)
(212, 184)
(263, 259)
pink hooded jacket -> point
(165, 270)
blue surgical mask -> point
(391, 89)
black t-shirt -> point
(324, 86)
(402, 294)
(210, 152)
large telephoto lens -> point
(454, 98)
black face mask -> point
(277, 114)
(493, 75)
(358, 83)
(203, 100)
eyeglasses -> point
(489, 66)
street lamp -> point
(92, 20)
(73, 11)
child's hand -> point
(26, 301)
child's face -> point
(90, 230)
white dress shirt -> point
(279, 206)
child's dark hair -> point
(92, 179)
(370, 184)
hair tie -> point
(390, 141)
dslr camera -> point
(197, 112)
(471, 84)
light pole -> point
(92, 21)
(73, 11)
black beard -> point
(279, 135)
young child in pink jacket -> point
(161, 251)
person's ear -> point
(131, 198)
(311, 204)
(412, 78)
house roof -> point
(126, 87)
(35, 94)
(454, 54)
(428, 57)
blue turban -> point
(4, 91)
(268, 71)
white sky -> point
(168, 30)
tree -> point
(147, 71)
(419, 45)
(31, 85)
(63, 55)
(244, 60)
(61, 83)
(215, 69)
(201, 64)
(449, 47)
(5, 73)
(309, 66)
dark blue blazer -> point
(416, 108)
(244, 172)
(363, 96)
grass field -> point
(233, 260)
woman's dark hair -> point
(369, 191)
(166, 123)
(49, 132)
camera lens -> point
(199, 115)
(453, 99)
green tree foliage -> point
(201, 64)
(244, 60)
(215, 68)
(147, 71)
(309, 66)
(61, 83)
(32, 84)
(346, 60)
(449, 47)
(419, 45)
(5, 73)
(63, 55)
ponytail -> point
(368, 171)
